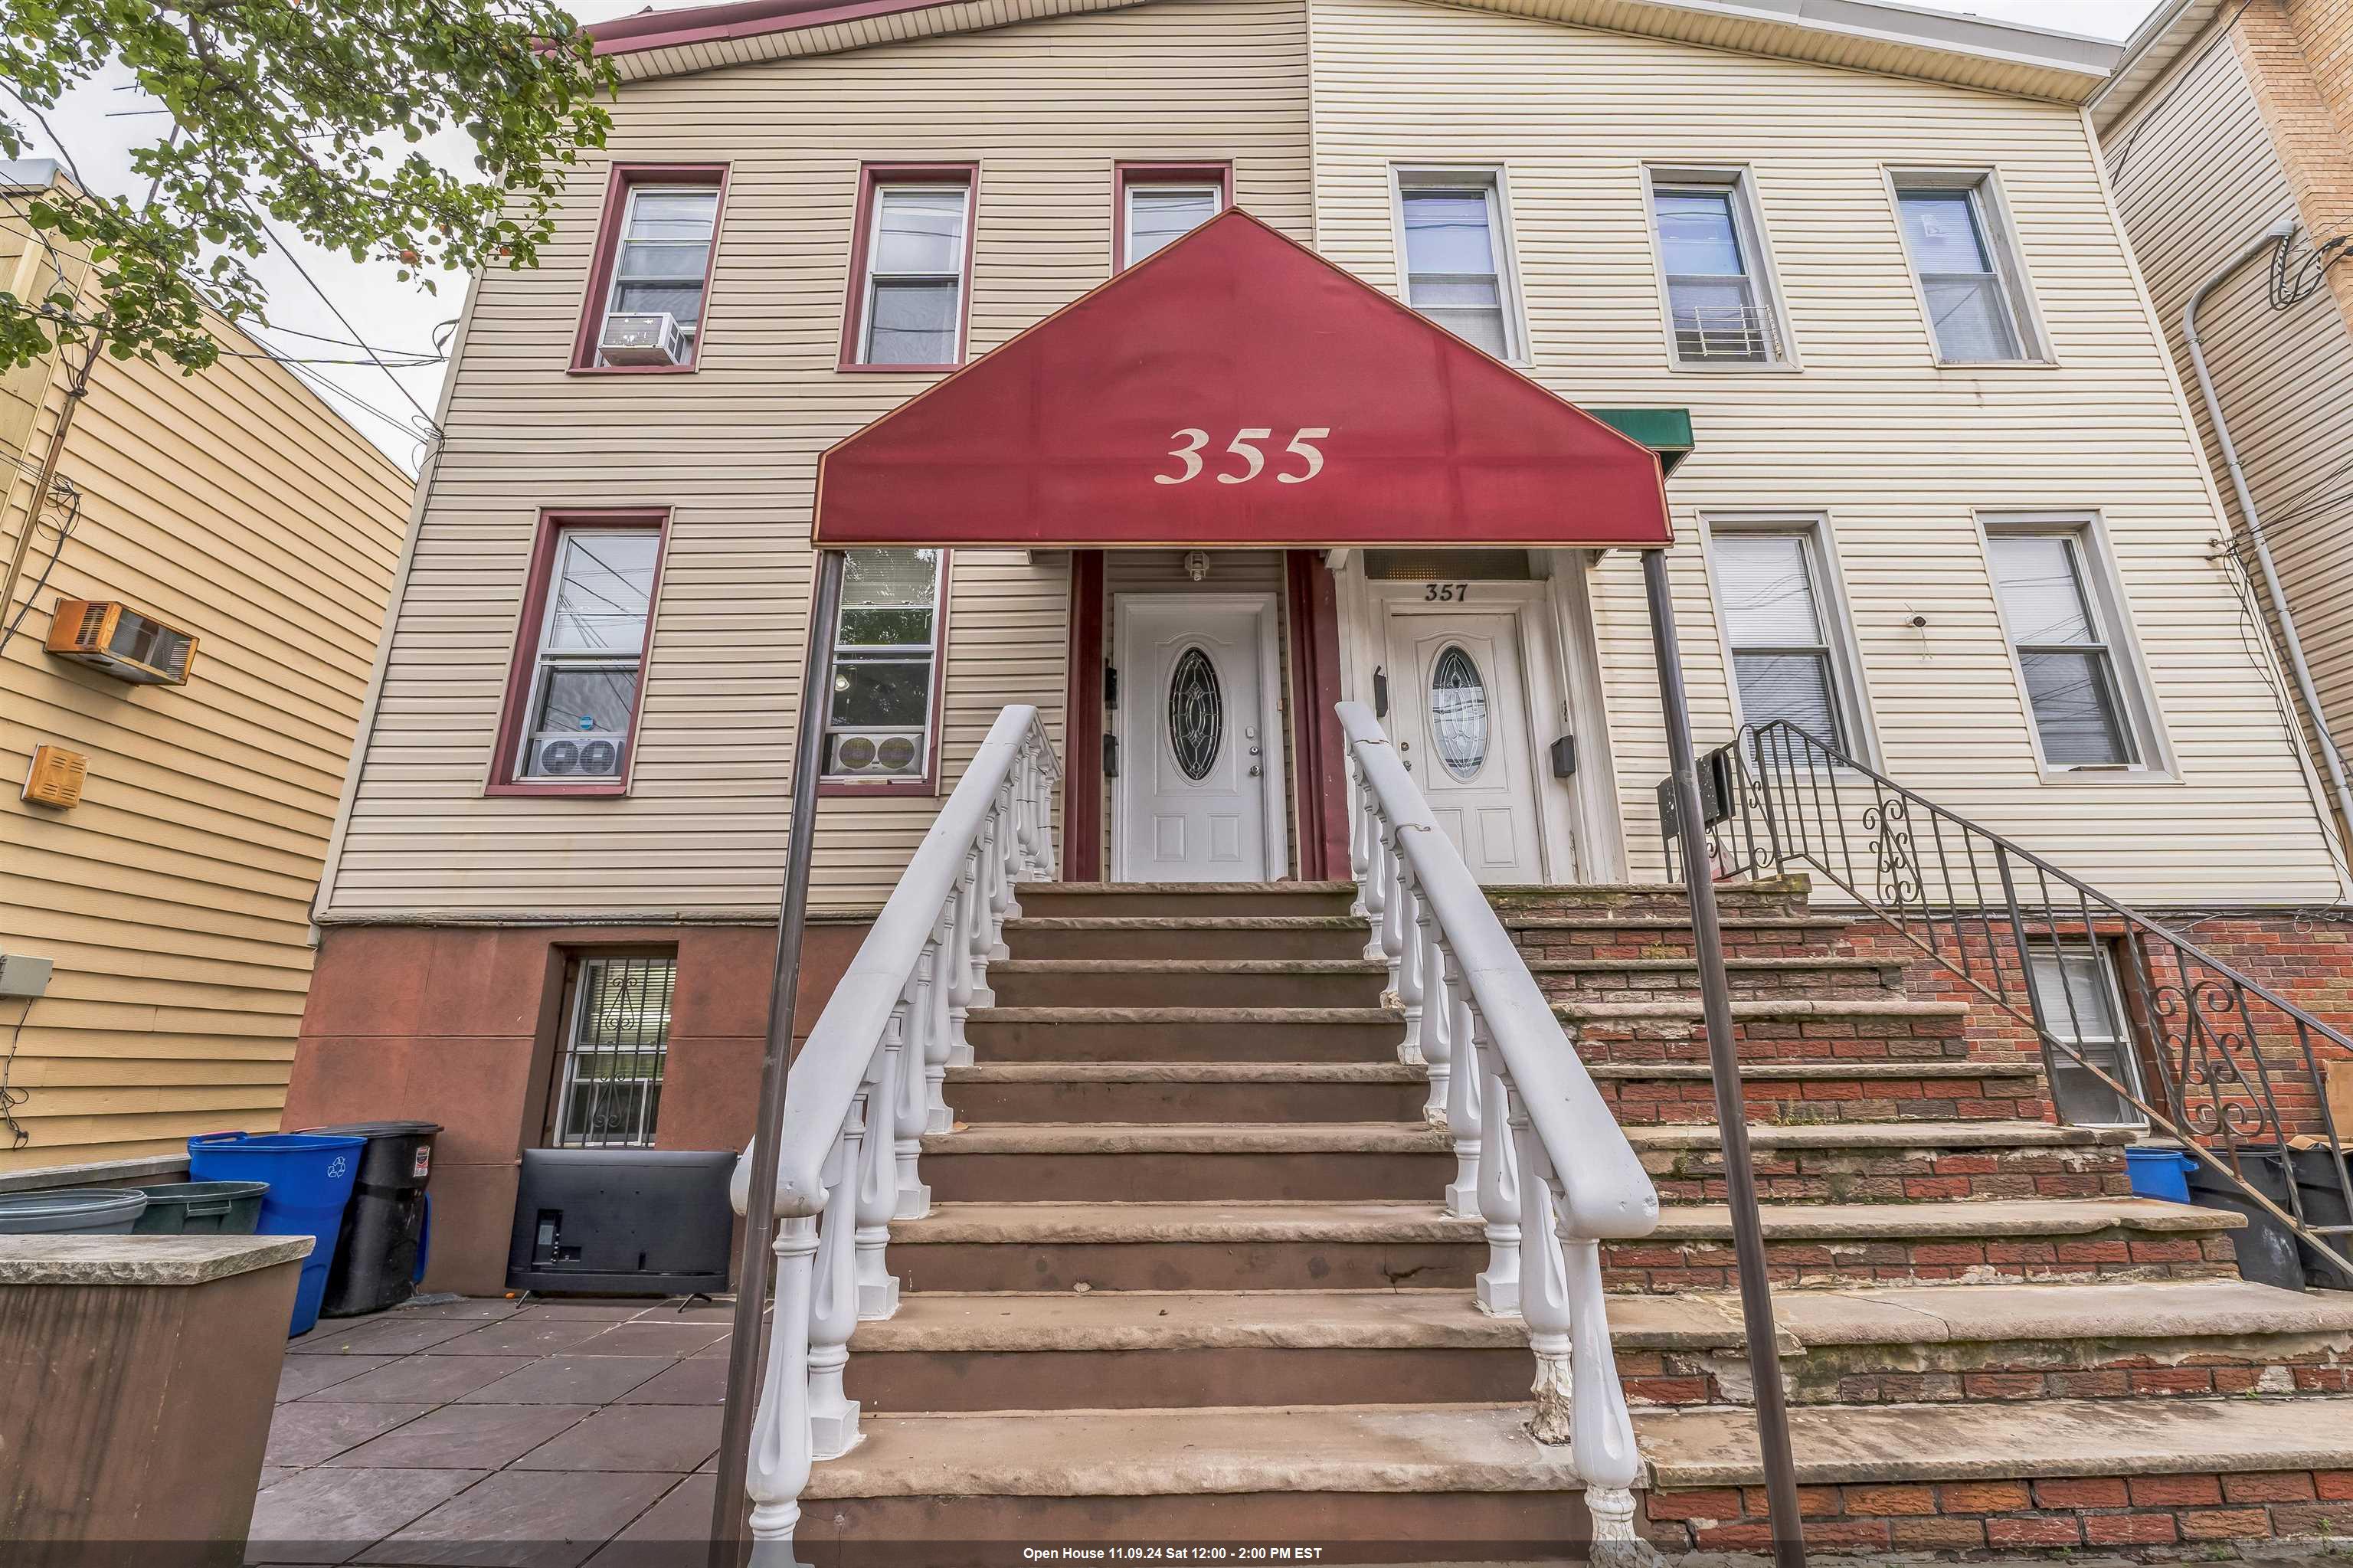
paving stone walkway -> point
(530, 1434)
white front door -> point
(1198, 793)
(1458, 714)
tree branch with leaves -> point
(310, 112)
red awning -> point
(1237, 390)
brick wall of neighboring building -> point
(2298, 55)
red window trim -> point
(1124, 174)
(928, 782)
(515, 711)
(862, 223)
(624, 178)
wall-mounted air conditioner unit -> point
(119, 640)
(875, 754)
(643, 340)
(576, 754)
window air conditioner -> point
(643, 340)
(877, 754)
(576, 754)
(116, 638)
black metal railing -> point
(2136, 1023)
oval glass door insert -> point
(1196, 713)
(1458, 712)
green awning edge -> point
(1666, 431)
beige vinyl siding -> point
(1045, 109)
(1898, 454)
(173, 901)
(2196, 176)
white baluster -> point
(877, 1180)
(1393, 938)
(939, 1043)
(779, 1463)
(1463, 1080)
(1374, 885)
(1359, 833)
(967, 944)
(1409, 974)
(833, 1299)
(1499, 1191)
(1544, 1284)
(1437, 1011)
(996, 846)
(1603, 1448)
(1013, 851)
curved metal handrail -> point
(865, 1088)
(1785, 795)
(1539, 1157)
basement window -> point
(615, 1045)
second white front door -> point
(1199, 785)
(1458, 714)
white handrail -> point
(864, 1091)
(1539, 1157)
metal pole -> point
(1724, 1064)
(728, 1515)
(2282, 233)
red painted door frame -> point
(1083, 823)
(1320, 776)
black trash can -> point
(2266, 1248)
(202, 1208)
(380, 1252)
(2323, 1196)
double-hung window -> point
(615, 1045)
(1970, 278)
(1455, 256)
(2075, 992)
(653, 260)
(1785, 659)
(574, 700)
(1159, 205)
(2061, 623)
(915, 253)
(881, 726)
(1719, 305)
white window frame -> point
(882, 189)
(1991, 209)
(1490, 178)
(2103, 591)
(926, 735)
(546, 660)
(2126, 1044)
(690, 336)
(1129, 189)
(1739, 183)
(1849, 692)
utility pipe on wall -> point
(2280, 234)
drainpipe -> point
(2281, 234)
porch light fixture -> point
(1196, 565)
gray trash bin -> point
(78, 1211)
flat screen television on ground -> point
(622, 1222)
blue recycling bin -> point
(311, 1177)
(2160, 1170)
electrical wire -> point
(296, 262)
(60, 486)
(11, 1097)
(2255, 641)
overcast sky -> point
(104, 121)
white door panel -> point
(1199, 760)
(1458, 710)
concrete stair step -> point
(1154, 981)
(1187, 1091)
(1064, 900)
(1785, 1028)
(1188, 936)
(1186, 1034)
(2055, 1473)
(1354, 1246)
(1145, 1162)
(1805, 1091)
(1890, 1162)
(1107, 1349)
(1820, 976)
(971, 1487)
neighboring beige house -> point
(2225, 120)
(236, 508)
